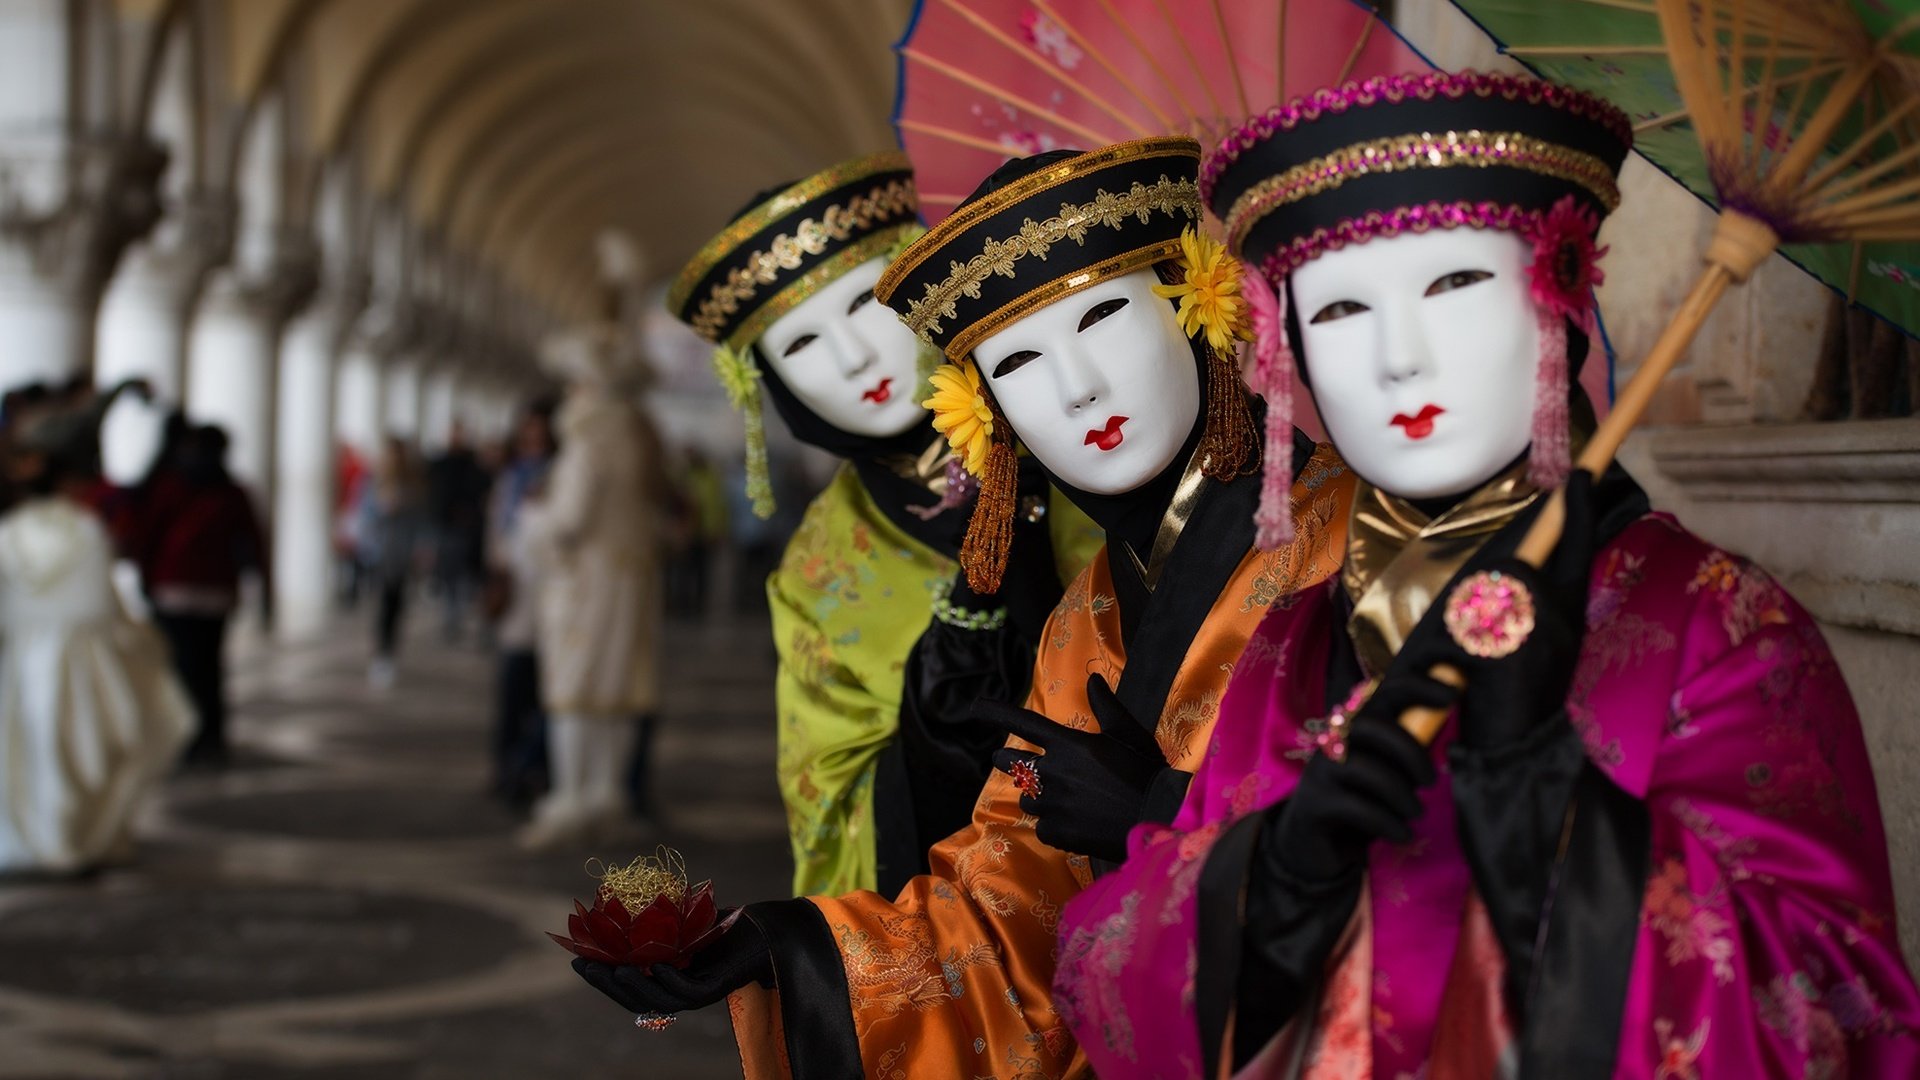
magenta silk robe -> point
(1765, 943)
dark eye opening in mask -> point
(1459, 279)
(1339, 309)
(1014, 363)
(860, 301)
(799, 343)
(1100, 311)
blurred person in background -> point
(349, 487)
(456, 516)
(596, 531)
(90, 713)
(194, 535)
(389, 542)
(512, 601)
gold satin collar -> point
(1398, 560)
(1186, 498)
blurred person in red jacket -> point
(197, 536)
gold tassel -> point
(1227, 445)
(990, 530)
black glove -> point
(1313, 846)
(741, 956)
(1507, 698)
(1093, 784)
(1518, 761)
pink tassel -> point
(1551, 458)
(1272, 379)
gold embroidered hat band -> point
(781, 251)
(1067, 227)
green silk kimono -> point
(852, 595)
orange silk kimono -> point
(952, 978)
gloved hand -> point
(1093, 784)
(1507, 698)
(1306, 869)
(741, 956)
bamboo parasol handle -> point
(1740, 245)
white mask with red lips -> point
(848, 357)
(1422, 351)
(1101, 386)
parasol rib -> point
(1051, 70)
(1153, 61)
(1233, 62)
(1906, 156)
(1096, 138)
(1359, 46)
(1046, 8)
(958, 137)
(1186, 49)
(1669, 119)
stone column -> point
(402, 397)
(144, 320)
(234, 359)
(57, 257)
(304, 493)
(359, 415)
(437, 408)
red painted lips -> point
(1108, 437)
(1421, 426)
(879, 395)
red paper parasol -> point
(985, 80)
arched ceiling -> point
(515, 130)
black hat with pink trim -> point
(1408, 154)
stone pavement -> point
(345, 903)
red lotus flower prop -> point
(644, 914)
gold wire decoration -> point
(646, 879)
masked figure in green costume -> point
(883, 648)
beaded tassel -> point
(1273, 364)
(990, 531)
(1227, 443)
(1551, 458)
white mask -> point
(848, 357)
(1101, 386)
(1422, 350)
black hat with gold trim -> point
(1409, 154)
(1063, 225)
(779, 252)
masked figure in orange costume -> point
(1049, 291)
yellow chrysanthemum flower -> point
(960, 413)
(1210, 297)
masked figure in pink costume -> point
(1646, 843)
